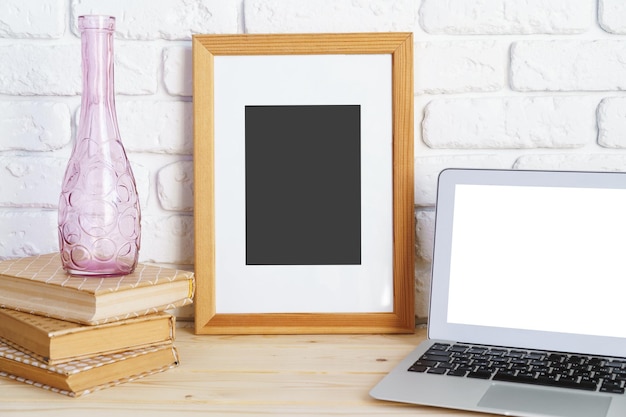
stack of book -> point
(76, 335)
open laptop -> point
(527, 312)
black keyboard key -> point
(439, 346)
(486, 369)
(460, 359)
(587, 379)
(526, 373)
(457, 372)
(556, 358)
(458, 348)
(418, 368)
(613, 365)
(480, 362)
(534, 356)
(602, 373)
(498, 361)
(612, 390)
(435, 357)
(594, 362)
(506, 372)
(479, 374)
(446, 365)
(566, 379)
(427, 364)
(465, 367)
(612, 387)
(438, 371)
(432, 351)
(461, 355)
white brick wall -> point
(533, 84)
(498, 83)
(505, 17)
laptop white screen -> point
(538, 258)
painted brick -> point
(422, 292)
(136, 68)
(304, 16)
(36, 19)
(167, 239)
(27, 232)
(612, 122)
(31, 181)
(163, 19)
(565, 65)
(40, 69)
(177, 74)
(425, 230)
(427, 169)
(573, 162)
(460, 66)
(612, 16)
(510, 123)
(175, 186)
(156, 126)
(34, 125)
(425, 234)
(462, 17)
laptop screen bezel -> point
(440, 328)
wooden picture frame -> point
(399, 48)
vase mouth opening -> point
(101, 22)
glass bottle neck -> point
(98, 118)
(97, 62)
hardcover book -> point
(54, 341)
(39, 285)
(80, 377)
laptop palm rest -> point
(533, 400)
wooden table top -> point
(294, 375)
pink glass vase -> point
(99, 214)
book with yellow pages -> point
(39, 285)
(80, 377)
(54, 341)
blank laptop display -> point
(526, 313)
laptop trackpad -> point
(547, 402)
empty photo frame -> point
(303, 183)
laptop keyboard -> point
(528, 367)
